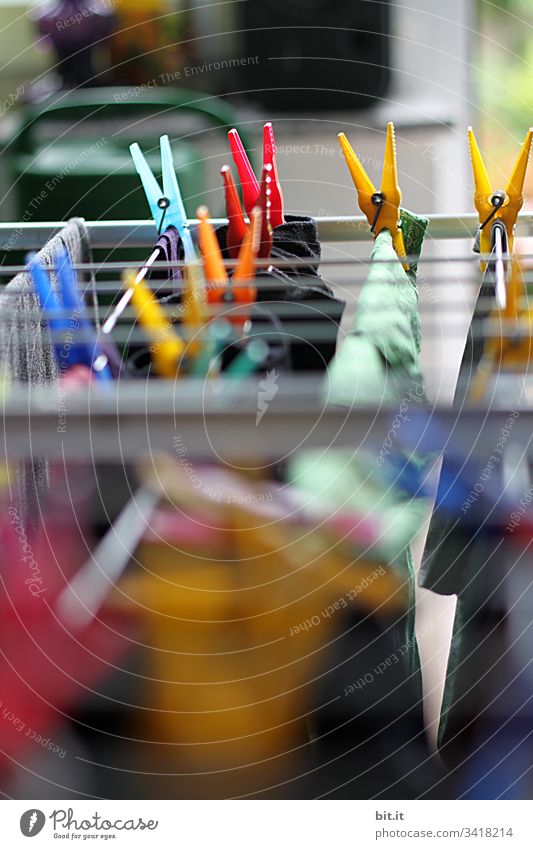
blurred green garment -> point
(377, 364)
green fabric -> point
(377, 363)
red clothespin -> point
(236, 222)
(249, 184)
(263, 202)
(269, 158)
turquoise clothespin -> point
(166, 206)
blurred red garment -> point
(47, 667)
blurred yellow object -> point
(147, 41)
(194, 306)
(238, 626)
(511, 349)
(166, 347)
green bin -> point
(85, 170)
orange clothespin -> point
(215, 273)
(382, 208)
(236, 220)
(220, 288)
(503, 204)
(244, 290)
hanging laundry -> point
(297, 241)
(378, 362)
(25, 349)
(170, 250)
(26, 353)
(480, 555)
(461, 557)
(48, 665)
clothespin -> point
(236, 221)
(214, 270)
(68, 319)
(503, 204)
(264, 204)
(252, 356)
(513, 347)
(250, 186)
(269, 158)
(73, 301)
(166, 206)
(219, 335)
(167, 348)
(194, 306)
(382, 209)
(242, 286)
(245, 269)
(219, 288)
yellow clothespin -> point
(382, 208)
(194, 306)
(516, 346)
(166, 347)
(512, 348)
(501, 204)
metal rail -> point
(218, 421)
(113, 234)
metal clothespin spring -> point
(497, 200)
(378, 199)
(163, 203)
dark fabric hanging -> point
(297, 296)
(307, 299)
(469, 553)
(171, 251)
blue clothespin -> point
(166, 206)
(68, 318)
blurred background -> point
(431, 68)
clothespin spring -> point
(497, 200)
(378, 199)
(163, 203)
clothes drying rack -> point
(136, 417)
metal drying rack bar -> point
(218, 421)
(214, 420)
(134, 233)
